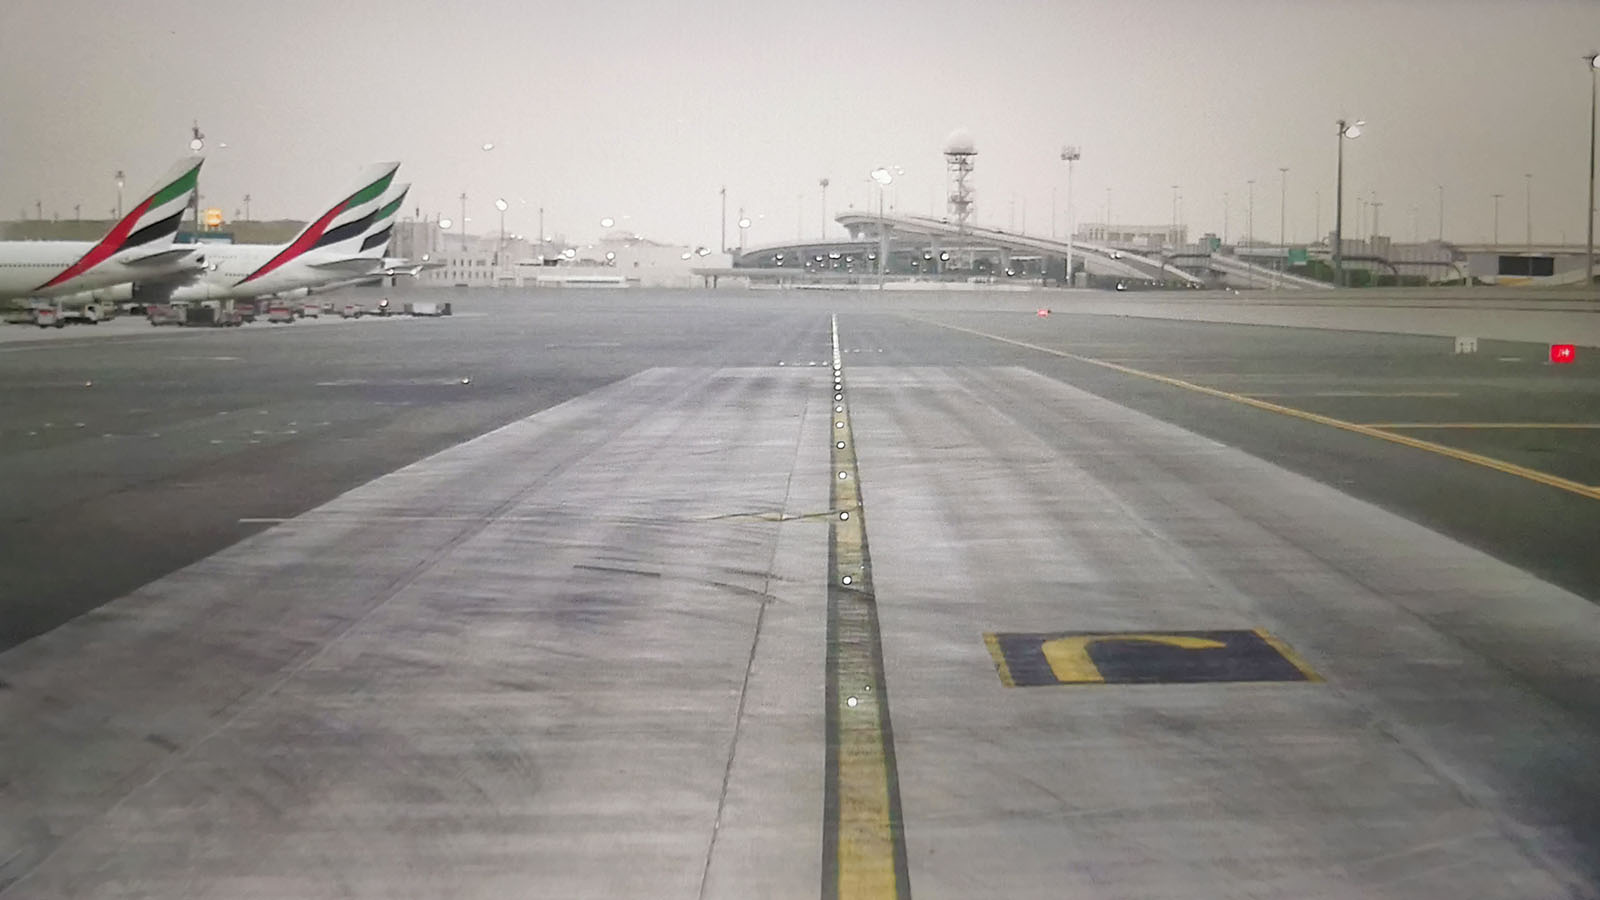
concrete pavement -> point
(564, 631)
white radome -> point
(960, 142)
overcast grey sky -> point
(642, 110)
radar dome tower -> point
(959, 153)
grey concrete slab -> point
(519, 667)
(1448, 753)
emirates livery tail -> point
(142, 239)
(348, 220)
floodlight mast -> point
(1347, 131)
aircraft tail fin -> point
(347, 220)
(153, 221)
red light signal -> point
(1563, 353)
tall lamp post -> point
(744, 223)
(823, 183)
(500, 204)
(1283, 200)
(1527, 212)
(1347, 131)
(1173, 234)
(883, 178)
(463, 221)
(1250, 212)
(1594, 65)
(1069, 155)
(1441, 213)
(120, 178)
(1496, 232)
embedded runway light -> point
(851, 702)
(838, 409)
(846, 580)
(466, 381)
(838, 396)
(1563, 353)
(843, 475)
(843, 516)
(88, 384)
(838, 425)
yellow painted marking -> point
(869, 850)
(1069, 656)
(1339, 394)
(1585, 426)
(1287, 653)
(999, 656)
(1478, 459)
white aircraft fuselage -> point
(28, 268)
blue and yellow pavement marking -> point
(1143, 657)
(863, 837)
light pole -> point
(1224, 217)
(1250, 212)
(1527, 214)
(724, 193)
(823, 183)
(247, 207)
(1594, 65)
(1376, 208)
(1347, 131)
(1441, 213)
(1283, 200)
(463, 221)
(197, 142)
(120, 178)
(1069, 155)
(1173, 235)
(1316, 223)
(1496, 232)
(744, 223)
(883, 178)
(499, 248)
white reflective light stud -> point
(851, 702)
(840, 445)
(838, 409)
(838, 396)
(843, 516)
(838, 424)
(843, 475)
(846, 580)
